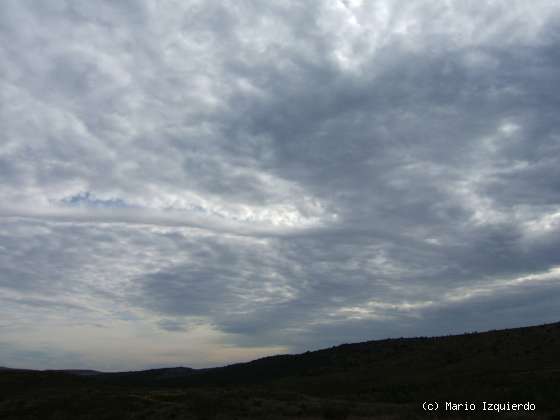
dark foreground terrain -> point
(388, 379)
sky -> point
(198, 183)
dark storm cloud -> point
(525, 305)
(287, 174)
(191, 292)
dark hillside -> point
(388, 377)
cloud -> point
(263, 177)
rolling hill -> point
(375, 379)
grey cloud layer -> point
(289, 175)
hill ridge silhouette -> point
(386, 378)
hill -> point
(376, 379)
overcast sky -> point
(204, 182)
